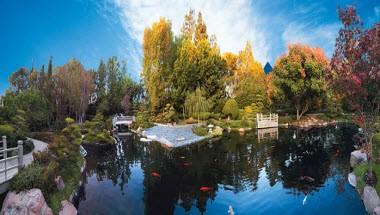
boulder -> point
(376, 211)
(31, 202)
(357, 157)
(67, 208)
(352, 179)
(59, 183)
(371, 199)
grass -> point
(361, 169)
(71, 176)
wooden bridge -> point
(267, 121)
(11, 160)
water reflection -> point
(233, 168)
(267, 134)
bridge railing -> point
(267, 121)
(9, 166)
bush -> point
(218, 131)
(69, 120)
(200, 131)
(204, 115)
(248, 112)
(231, 109)
(168, 115)
(215, 115)
(142, 120)
(73, 133)
(28, 178)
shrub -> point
(200, 131)
(73, 133)
(69, 120)
(168, 115)
(28, 178)
(218, 131)
(231, 109)
(142, 120)
(204, 115)
(248, 112)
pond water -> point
(265, 176)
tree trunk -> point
(298, 113)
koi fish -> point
(155, 174)
(183, 157)
(304, 200)
(204, 189)
(186, 164)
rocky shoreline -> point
(368, 195)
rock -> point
(241, 130)
(30, 202)
(67, 208)
(371, 199)
(376, 211)
(352, 179)
(357, 157)
(59, 183)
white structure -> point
(119, 121)
(10, 163)
(267, 121)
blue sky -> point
(90, 30)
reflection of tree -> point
(232, 163)
(318, 153)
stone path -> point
(27, 159)
(173, 136)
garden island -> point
(202, 132)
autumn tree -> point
(299, 76)
(356, 73)
(158, 48)
(74, 85)
(246, 77)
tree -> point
(126, 103)
(246, 77)
(101, 80)
(356, 73)
(34, 103)
(299, 76)
(158, 47)
(188, 26)
(19, 80)
(74, 85)
(33, 78)
(198, 65)
(196, 103)
(200, 30)
(231, 109)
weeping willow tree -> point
(196, 104)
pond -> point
(287, 172)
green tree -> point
(198, 65)
(196, 104)
(231, 109)
(34, 103)
(19, 80)
(299, 76)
